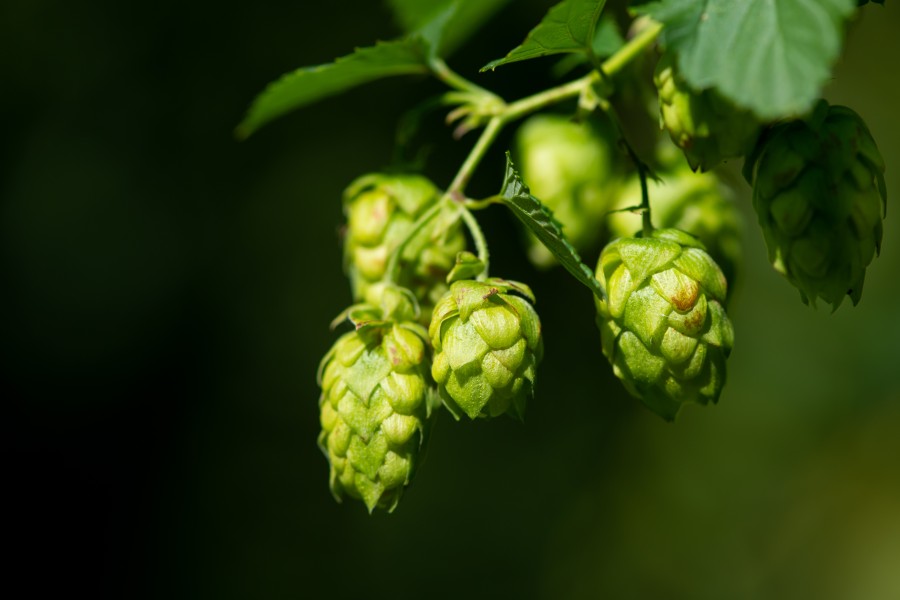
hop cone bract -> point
(567, 165)
(706, 126)
(819, 193)
(694, 202)
(663, 326)
(374, 403)
(381, 210)
(487, 346)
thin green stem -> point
(483, 203)
(646, 223)
(458, 186)
(392, 272)
(478, 237)
(535, 102)
(443, 72)
(629, 51)
(609, 68)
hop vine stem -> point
(508, 113)
(535, 102)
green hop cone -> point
(375, 401)
(819, 194)
(663, 326)
(381, 211)
(694, 202)
(706, 126)
(568, 166)
(487, 346)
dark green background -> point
(166, 294)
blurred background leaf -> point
(167, 295)
(469, 16)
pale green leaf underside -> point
(770, 56)
(540, 222)
(567, 27)
(310, 84)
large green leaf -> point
(567, 27)
(469, 17)
(771, 56)
(539, 219)
(310, 84)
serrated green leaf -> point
(539, 220)
(567, 27)
(310, 84)
(607, 41)
(772, 57)
(469, 17)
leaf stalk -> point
(477, 237)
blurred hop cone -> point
(819, 193)
(375, 401)
(708, 128)
(567, 167)
(487, 346)
(663, 326)
(381, 210)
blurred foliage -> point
(167, 294)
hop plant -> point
(819, 193)
(375, 401)
(663, 326)
(381, 211)
(694, 202)
(706, 126)
(567, 165)
(487, 346)
(818, 190)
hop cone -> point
(381, 210)
(375, 402)
(663, 327)
(694, 202)
(706, 126)
(487, 346)
(567, 166)
(820, 196)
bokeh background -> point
(166, 294)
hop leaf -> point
(663, 326)
(381, 210)
(487, 345)
(819, 193)
(375, 402)
(706, 126)
(694, 202)
(568, 166)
